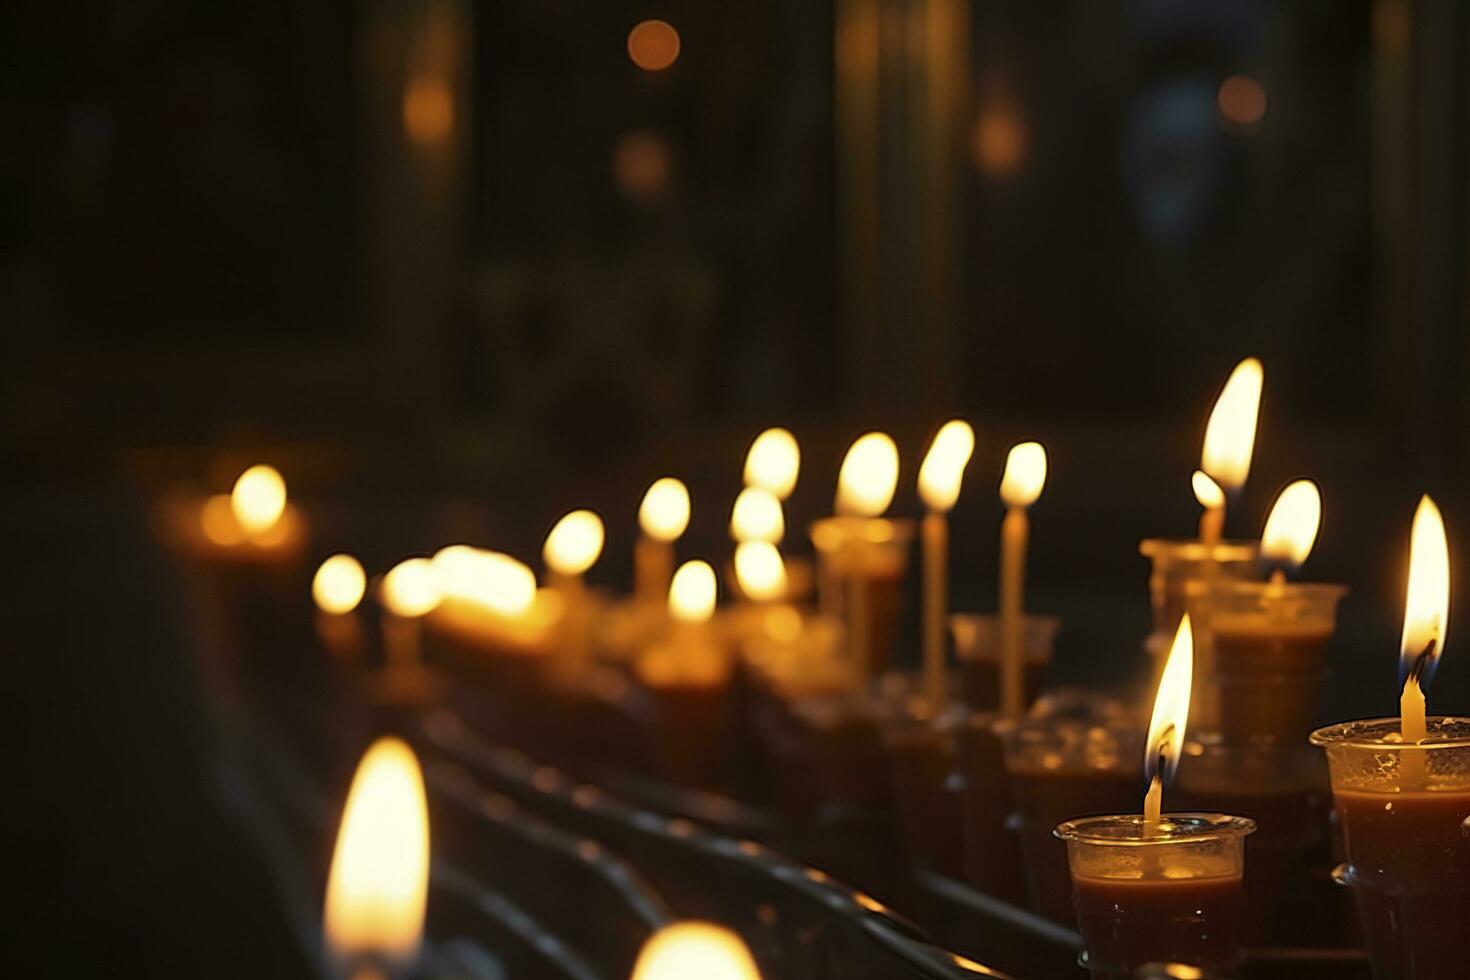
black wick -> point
(1163, 762)
(1421, 663)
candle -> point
(662, 517)
(760, 572)
(378, 885)
(258, 499)
(408, 593)
(1212, 499)
(337, 589)
(939, 487)
(1020, 485)
(572, 546)
(1230, 434)
(254, 522)
(757, 516)
(695, 951)
(1166, 726)
(773, 462)
(1426, 620)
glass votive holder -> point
(863, 560)
(977, 656)
(920, 748)
(992, 862)
(1404, 810)
(1084, 761)
(1269, 641)
(1173, 895)
(1181, 570)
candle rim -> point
(1128, 829)
(1356, 734)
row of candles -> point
(1144, 886)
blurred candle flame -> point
(695, 951)
(773, 462)
(1427, 598)
(378, 885)
(692, 592)
(1291, 527)
(664, 513)
(339, 584)
(490, 579)
(757, 516)
(1230, 436)
(1024, 476)
(869, 476)
(409, 589)
(219, 522)
(1206, 491)
(944, 465)
(1171, 706)
(574, 543)
(760, 570)
(258, 499)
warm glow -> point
(219, 523)
(1242, 100)
(259, 499)
(1206, 491)
(428, 109)
(1230, 436)
(574, 543)
(692, 592)
(760, 570)
(869, 476)
(944, 465)
(409, 589)
(653, 45)
(999, 140)
(757, 516)
(773, 462)
(695, 951)
(664, 513)
(339, 584)
(489, 579)
(1024, 476)
(1171, 706)
(1427, 602)
(379, 881)
(1291, 527)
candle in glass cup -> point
(977, 656)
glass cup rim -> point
(1295, 590)
(1193, 549)
(1371, 733)
(1177, 829)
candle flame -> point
(692, 592)
(219, 523)
(258, 499)
(1024, 475)
(378, 885)
(1230, 436)
(1427, 600)
(409, 588)
(757, 516)
(1291, 527)
(1171, 706)
(339, 584)
(773, 462)
(664, 513)
(869, 476)
(1206, 491)
(489, 579)
(760, 570)
(944, 465)
(574, 543)
(687, 950)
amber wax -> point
(1407, 835)
(861, 563)
(1172, 893)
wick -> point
(1421, 663)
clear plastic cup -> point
(1173, 895)
(977, 656)
(863, 560)
(1404, 810)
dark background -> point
(456, 268)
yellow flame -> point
(1427, 600)
(1206, 491)
(869, 476)
(773, 462)
(339, 584)
(409, 588)
(695, 951)
(944, 465)
(692, 592)
(1024, 476)
(760, 570)
(1171, 705)
(379, 882)
(1291, 527)
(219, 523)
(664, 513)
(258, 499)
(757, 516)
(574, 543)
(490, 579)
(1230, 436)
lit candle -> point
(1212, 499)
(1230, 435)
(1020, 485)
(757, 516)
(253, 522)
(1166, 725)
(490, 599)
(572, 546)
(258, 499)
(663, 517)
(1426, 620)
(866, 484)
(337, 589)
(760, 572)
(773, 462)
(695, 951)
(408, 593)
(378, 885)
(939, 487)
(1291, 528)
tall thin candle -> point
(939, 488)
(1025, 475)
(1167, 724)
(1426, 621)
